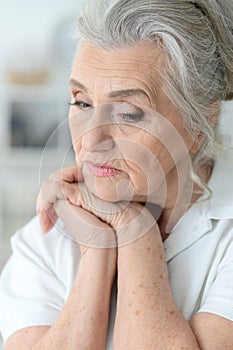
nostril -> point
(105, 145)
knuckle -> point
(45, 184)
(56, 176)
(66, 191)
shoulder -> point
(32, 235)
(37, 278)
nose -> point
(97, 139)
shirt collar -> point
(197, 221)
(192, 226)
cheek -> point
(78, 124)
(149, 153)
(147, 174)
(76, 130)
(74, 126)
(77, 146)
(151, 161)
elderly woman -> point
(139, 250)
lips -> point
(102, 170)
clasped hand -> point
(92, 222)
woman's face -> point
(129, 138)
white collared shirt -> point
(39, 275)
(199, 251)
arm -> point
(147, 317)
(82, 323)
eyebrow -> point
(113, 94)
(78, 85)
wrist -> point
(141, 259)
(133, 224)
(100, 261)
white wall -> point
(28, 26)
(226, 120)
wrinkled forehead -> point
(128, 67)
(144, 54)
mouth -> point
(102, 170)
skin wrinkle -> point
(146, 65)
(128, 95)
(100, 83)
(149, 92)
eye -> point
(127, 112)
(131, 117)
(80, 104)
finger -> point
(45, 204)
(49, 193)
(79, 195)
(71, 174)
(71, 192)
(84, 227)
(45, 222)
(47, 216)
(47, 219)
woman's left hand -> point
(62, 194)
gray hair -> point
(198, 39)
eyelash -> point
(80, 104)
(132, 117)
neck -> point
(176, 207)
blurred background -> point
(37, 46)
(36, 51)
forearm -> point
(147, 317)
(82, 323)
